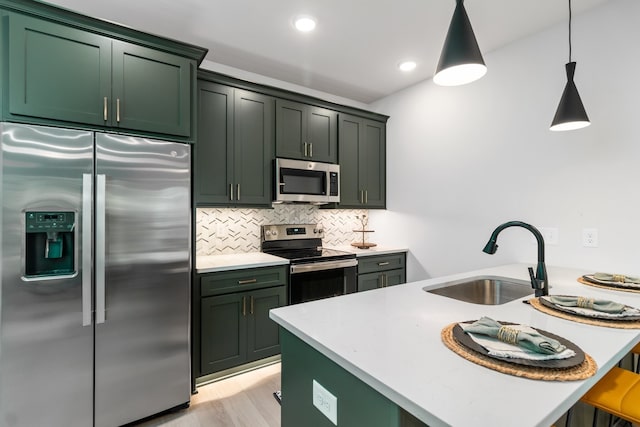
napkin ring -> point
(619, 278)
(585, 302)
(508, 335)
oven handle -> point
(326, 265)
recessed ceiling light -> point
(407, 66)
(305, 23)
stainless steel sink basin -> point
(485, 290)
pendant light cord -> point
(569, 30)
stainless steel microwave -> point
(303, 181)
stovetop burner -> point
(299, 243)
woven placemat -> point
(611, 288)
(619, 324)
(580, 372)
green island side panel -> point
(358, 404)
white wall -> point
(463, 160)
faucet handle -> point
(535, 283)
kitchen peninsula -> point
(380, 354)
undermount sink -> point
(485, 290)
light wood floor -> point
(244, 400)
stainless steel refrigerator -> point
(94, 299)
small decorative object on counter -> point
(363, 222)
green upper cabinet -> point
(306, 132)
(362, 162)
(62, 73)
(233, 156)
(57, 72)
(151, 90)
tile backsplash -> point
(227, 230)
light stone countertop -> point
(389, 338)
(214, 263)
(376, 250)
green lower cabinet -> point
(380, 280)
(358, 404)
(380, 271)
(236, 329)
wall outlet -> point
(326, 402)
(590, 237)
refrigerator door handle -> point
(87, 193)
(100, 247)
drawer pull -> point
(380, 264)
(246, 282)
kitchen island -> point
(380, 353)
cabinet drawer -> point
(369, 264)
(240, 280)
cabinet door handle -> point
(238, 192)
(244, 306)
(231, 192)
(118, 110)
(362, 196)
(305, 149)
(386, 282)
(251, 309)
(380, 264)
(366, 197)
(104, 108)
(247, 282)
(311, 149)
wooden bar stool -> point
(617, 393)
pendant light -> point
(460, 61)
(570, 114)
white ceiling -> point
(355, 49)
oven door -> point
(322, 279)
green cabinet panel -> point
(236, 328)
(376, 263)
(57, 72)
(233, 156)
(358, 403)
(306, 132)
(151, 89)
(370, 281)
(263, 339)
(61, 73)
(362, 162)
(213, 153)
(350, 130)
(242, 280)
(253, 143)
(380, 271)
(223, 341)
(234, 324)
